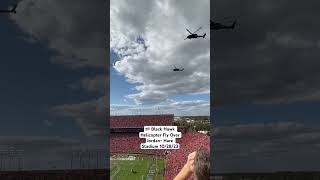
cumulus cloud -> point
(78, 37)
(75, 32)
(270, 57)
(148, 37)
(48, 123)
(89, 115)
(96, 84)
(265, 143)
(259, 131)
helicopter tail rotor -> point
(233, 24)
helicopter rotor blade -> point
(197, 30)
(225, 19)
(189, 31)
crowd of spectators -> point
(175, 159)
(190, 142)
(139, 121)
(129, 142)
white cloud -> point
(272, 137)
(67, 27)
(259, 130)
(48, 123)
(75, 31)
(288, 40)
(95, 84)
(90, 115)
(148, 37)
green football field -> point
(143, 169)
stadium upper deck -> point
(139, 121)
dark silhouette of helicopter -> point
(13, 9)
(194, 35)
(219, 26)
(177, 69)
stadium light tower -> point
(71, 160)
(97, 159)
(11, 158)
(20, 159)
(88, 158)
(1, 159)
(80, 159)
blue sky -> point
(48, 102)
(32, 82)
(266, 105)
(119, 87)
(306, 112)
(273, 137)
(266, 115)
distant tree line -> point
(199, 123)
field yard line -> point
(114, 174)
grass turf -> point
(121, 169)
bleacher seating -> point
(139, 121)
(129, 142)
(190, 142)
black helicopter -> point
(177, 69)
(12, 10)
(219, 26)
(194, 35)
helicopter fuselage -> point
(178, 69)
(6, 11)
(191, 36)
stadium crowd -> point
(190, 142)
(128, 142)
(140, 121)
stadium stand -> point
(138, 121)
(129, 143)
(190, 142)
(124, 138)
(98, 174)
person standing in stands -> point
(198, 165)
